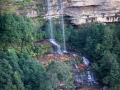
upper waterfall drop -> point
(63, 27)
(50, 19)
(52, 40)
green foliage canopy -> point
(58, 71)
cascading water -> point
(76, 76)
(52, 40)
(63, 27)
(83, 76)
(50, 20)
(90, 80)
(86, 61)
(58, 46)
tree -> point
(33, 71)
(114, 75)
(20, 72)
(101, 44)
(17, 32)
(17, 72)
(9, 76)
(108, 70)
(58, 71)
(6, 75)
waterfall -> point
(50, 20)
(52, 40)
(93, 77)
(85, 76)
(77, 79)
(86, 61)
(63, 27)
(58, 46)
(90, 80)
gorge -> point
(59, 45)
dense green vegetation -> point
(20, 72)
(24, 7)
(59, 71)
(18, 35)
(16, 31)
(57, 30)
(10, 6)
(101, 44)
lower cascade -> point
(83, 73)
(86, 61)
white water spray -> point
(50, 19)
(86, 61)
(52, 40)
(63, 27)
(58, 46)
(83, 76)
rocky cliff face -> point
(83, 11)
(80, 11)
(29, 8)
(35, 9)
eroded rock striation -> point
(83, 11)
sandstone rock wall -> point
(83, 11)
